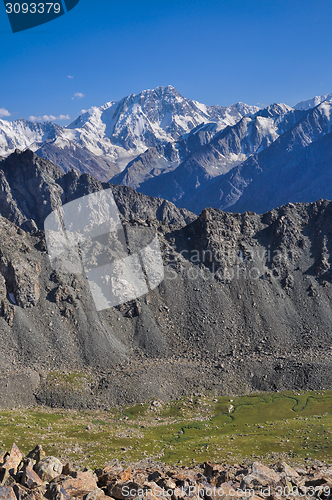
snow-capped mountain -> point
(164, 158)
(128, 127)
(295, 167)
(312, 103)
(53, 142)
(224, 151)
(165, 145)
(119, 131)
(215, 151)
(22, 134)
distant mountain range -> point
(103, 140)
(235, 158)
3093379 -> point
(33, 8)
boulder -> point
(37, 453)
(263, 474)
(30, 479)
(48, 468)
(9, 468)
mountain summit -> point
(103, 140)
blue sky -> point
(217, 52)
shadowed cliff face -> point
(245, 303)
(32, 187)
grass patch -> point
(297, 425)
(76, 380)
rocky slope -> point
(68, 155)
(245, 303)
(31, 187)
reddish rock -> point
(13, 460)
(78, 486)
(112, 474)
(10, 465)
(96, 494)
(166, 483)
(56, 492)
(30, 479)
(126, 475)
(227, 492)
(123, 491)
(7, 493)
(37, 453)
(161, 492)
(289, 471)
(178, 493)
(263, 474)
(212, 469)
(67, 470)
(35, 495)
(21, 491)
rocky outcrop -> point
(31, 188)
(26, 478)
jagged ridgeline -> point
(104, 139)
(245, 304)
(234, 158)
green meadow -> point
(292, 425)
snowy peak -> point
(149, 118)
(312, 103)
(22, 133)
(235, 112)
(274, 110)
(119, 131)
(112, 135)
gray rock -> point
(48, 468)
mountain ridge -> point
(118, 131)
(174, 148)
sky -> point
(216, 52)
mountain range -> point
(104, 139)
(246, 300)
(234, 158)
